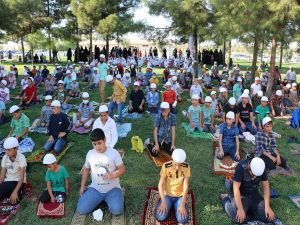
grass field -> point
(141, 173)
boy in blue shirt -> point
(152, 99)
(229, 138)
(57, 178)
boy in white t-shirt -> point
(105, 166)
(13, 172)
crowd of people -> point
(215, 94)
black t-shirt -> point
(227, 108)
(137, 97)
(249, 185)
(245, 111)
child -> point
(85, 112)
(229, 138)
(207, 81)
(154, 79)
(30, 94)
(19, 124)
(230, 106)
(164, 132)
(261, 112)
(152, 99)
(196, 89)
(61, 95)
(194, 114)
(2, 112)
(74, 92)
(237, 88)
(105, 166)
(295, 120)
(4, 91)
(173, 189)
(126, 80)
(46, 112)
(222, 100)
(13, 172)
(57, 179)
(256, 99)
(49, 85)
(294, 95)
(169, 96)
(266, 146)
(93, 79)
(68, 81)
(214, 103)
(207, 116)
(24, 82)
(12, 80)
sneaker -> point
(146, 142)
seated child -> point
(61, 95)
(294, 95)
(48, 85)
(2, 112)
(46, 112)
(194, 114)
(295, 120)
(19, 124)
(4, 91)
(105, 166)
(222, 99)
(13, 172)
(261, 112)
(230, 106)
(136, 99)
(196, 89)
(85, 112)
(207, 116)
(74, 92)
(256, 99)
(214, 103)
(152, 99)
(173, 189)
(229, 138)
(30, 94)
(164, 131)
(57, 180)
(266, 146)
(277, 104)
(12, 82)
(244, 201)
(58, 129)
(68, 81)
(126, 80)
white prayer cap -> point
(179, 155)
(14, 108)
(103, 108)
(257, 166)
(56, 103)
(10, 142)
(49, 159)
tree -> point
(188, 18)
(89, 13)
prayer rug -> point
(133, 116)
(226, 166)
(7, 210)
(295, 199)
(151, 205)
(81, 130)
(281, 171)
(123, 129)
(37, 129)
(196, 134)
(162, 158)
(50, 210)
(37, 156)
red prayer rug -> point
(7, 210)
(50, 210)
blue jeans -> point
(172, 201)
(91, 198)
(229, 149)
(112, 106)
(57, 145)
(247, 128)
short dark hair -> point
(97, 135)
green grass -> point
(141, 173)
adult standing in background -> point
(102, 66)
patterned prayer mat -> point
(37, 156)
(196, 134)
(162, 158)
(50, 210)
(7, 210)
(226, 166)
(81, 130)
(151, 205)
(123, 129)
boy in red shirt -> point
(169, 96)
(29, 95)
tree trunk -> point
(91, 44)
(272, 67)
(229, 51)
(224, 51)
(195, 53)
(23, 50)
(77, 43)
(262, 51)
(281, 54)
(254, 58)
(107, 47)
